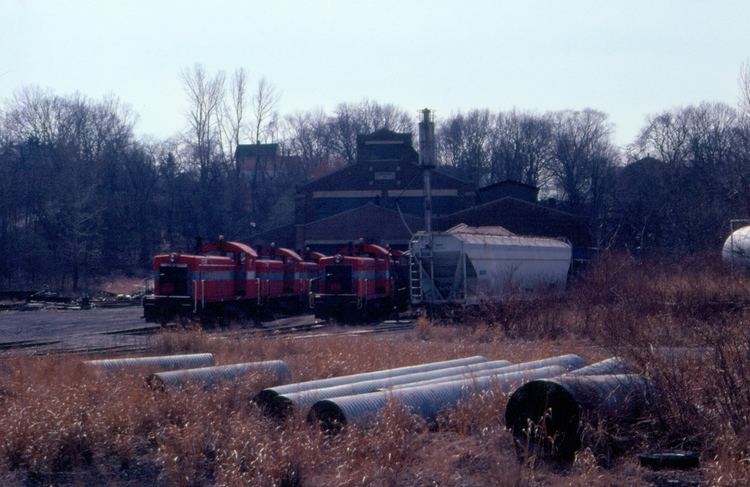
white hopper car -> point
(468, 265)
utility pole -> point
(427, 162)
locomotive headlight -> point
(172, 257)
(337, 259)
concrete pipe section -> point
(267, 396)
(276, 370)
(283, 405)
(547, 416)
(568, 362)
(426, 401)
(613, 365)
(152, 364)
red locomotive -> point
(360, 281)
(229, 279)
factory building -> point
(380, 198)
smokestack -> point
(427, 162)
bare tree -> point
(265, 101)
(205, 95)
(466, 143)
(232, 115)
(522, 148)
(744, 83)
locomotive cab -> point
(358, 282)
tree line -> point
(81, 195)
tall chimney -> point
(427, 162)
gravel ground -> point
(71, 331)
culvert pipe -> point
(548, 416)
(426, 401)
(283, 405)
(610, 366)
(277, 372)
(570, 362)
(152, 364)
(266, 396)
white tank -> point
(736, 249)
(467, 265)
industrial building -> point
(380, 198)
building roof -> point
(370, 222)
(522, 218)
(490, 230)
(508, 182)
(244, 151)
(385, 134)
(359, 177)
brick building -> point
(380, 198)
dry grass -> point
(62, 424)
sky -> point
(627, 58)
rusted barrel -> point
(283, 404)
(426, 401)
(612, 365)
(266, 396)
(276, 370)
(568, 362)
(152, 364)
(548, 415)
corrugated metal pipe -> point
(568, 362)
(276, 370)
(266, 396)
(547, 416)
(426, 401)
(152, 364)
(284, 404)
(612, 365)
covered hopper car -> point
(468, 265)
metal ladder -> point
(415, 280)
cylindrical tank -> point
(548, 415)
(153, 364)
(425, 401)
(283, 404)
(264, 398)
(736, 250)
(277, 370)
(570, 362)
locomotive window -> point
(173, 279)
(338, 278)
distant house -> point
(252, 158)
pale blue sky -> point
(626, 58)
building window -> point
(384, 175)
(385, 152)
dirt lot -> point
(94, 330)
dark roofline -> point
(250, 150)
(494, 202)
(451, 176)
(384, 133)
(508, 181)
(359, 208)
